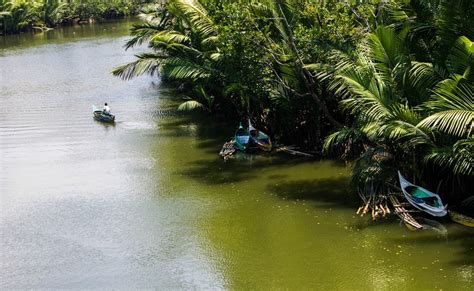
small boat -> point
(260, 139)
(461, 218)
(100, 115)
(421, 198)
(247, 139)
(242, 137)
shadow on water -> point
(335, 192)
(467, 253)
(465, 239)
(210, 135)
(245, 167)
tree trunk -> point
(308, 80)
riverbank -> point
(354, 85)
(43, 15)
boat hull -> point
(107, 118)
(266, 147)
(241, 138)
(461, 218)
(249, 139)
(262, 142)
(434, 211)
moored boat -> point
(248, 139)
(260, 139)
(100, 115)
(242, 137)
(422, 198)
(461, 218)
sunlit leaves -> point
(147, 63)
(461, 59)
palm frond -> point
(461, 58)
(453, 122)
(347, 141)
(142, 33)
(459, 158)
(424, 76)
(368, 97)
(453, 106)
(167, 36)
(146, 63)
(183, 69)
(385, 47)
(197, 16)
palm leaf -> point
(459, 158)
(166, 36)
(461, 59)
(453, 106)
(183, 69)
(142, 33)
(453, 122)
(147, 63)
(424, 76)
(197, 16)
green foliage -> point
(200, 100)
(15, 16)
(53, 12)
(20, 15)
(420, 113)
(389, 83)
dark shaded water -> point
(148, 203)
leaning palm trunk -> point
(305, 75)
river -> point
(148, 203)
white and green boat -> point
(422, 198)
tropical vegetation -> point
(384, 85)
(21, 15)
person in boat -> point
(106, 109)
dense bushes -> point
(385, 85)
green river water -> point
(148, 203)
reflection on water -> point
(65, 35)
(147, 202)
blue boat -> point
(248, 139)
(242, 137)
(260, 139)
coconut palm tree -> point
(451, 110)
(182, 38)
(406, 113)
